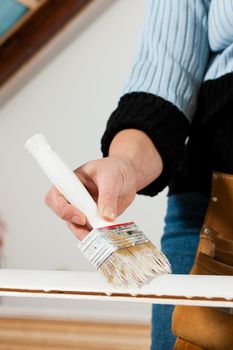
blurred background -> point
(65, 86)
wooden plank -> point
(33, 334)
(38, 30)
(216, 291)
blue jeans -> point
(183, 220)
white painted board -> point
(216, 291)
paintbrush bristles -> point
(134, 266)
(124, 255)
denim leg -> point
(183, 220)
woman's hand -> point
(132, 164)
(111, 182)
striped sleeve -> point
(220, 25)
(160, 94)
(173, 52)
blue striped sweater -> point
(174, 50)
(184, 45)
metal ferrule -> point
(102, 242)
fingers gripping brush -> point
(121, 252)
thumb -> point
(108, 196)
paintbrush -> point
(121, 252)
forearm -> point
(137, 147)
(162, 122)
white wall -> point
(69, 100)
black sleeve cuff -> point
(161, 121)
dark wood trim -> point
(35, 33)
(22, 19)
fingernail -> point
(108, 213)
(78, 220)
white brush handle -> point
(64, 179)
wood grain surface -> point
(34, 334)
